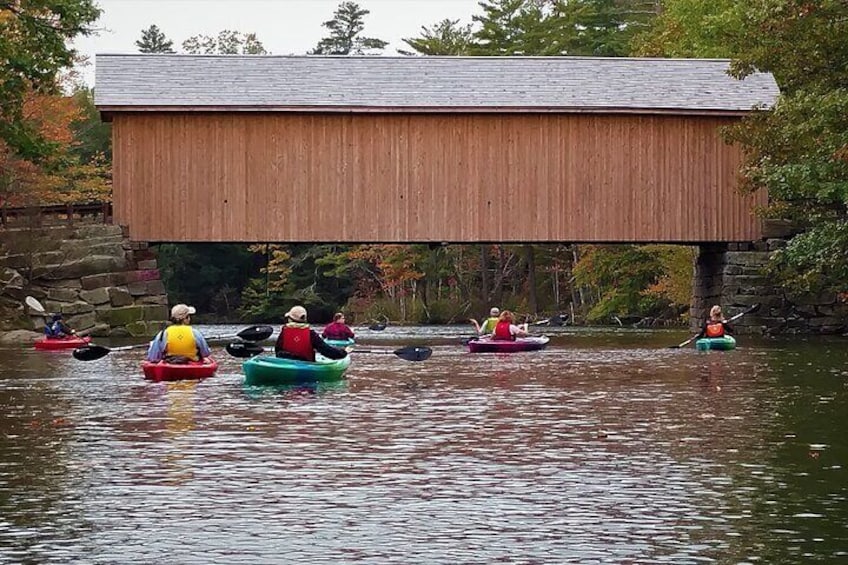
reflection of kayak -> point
(162, 371)
(340, 343)
(488, 345)
(70, 342)
(266, 370)
(724, 343)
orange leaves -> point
(53, 116)
(60, 178)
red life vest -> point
(714, 329)
(502, 332)
(296, 341)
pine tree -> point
(444, 38)
(345, 27)
(154, 41)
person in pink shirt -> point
(337, 330)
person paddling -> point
(56, 328)
(298, 341)
(338, 330)
(179, 342)
(715, 325)
(506, 328)
(488, 325)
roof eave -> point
(107, 110)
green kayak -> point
(266, 370)
(340, 343)
(724, 343)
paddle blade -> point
(412, 353)
(256, 333)
(34, 304)
(90, 352)
(244, 350)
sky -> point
(283, 26)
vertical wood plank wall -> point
(287, 177)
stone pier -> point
(102, 283)
(734, 276)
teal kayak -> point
(340, 343)
(266, 370)
(724, 343)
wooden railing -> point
(69, 214)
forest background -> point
(54, 149)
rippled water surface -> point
(607, 447)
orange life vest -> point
(296, 341)
(502, 332)
(714, 329)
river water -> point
(607, 447)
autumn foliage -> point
(59, 177)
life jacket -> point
(489, 325)
(502, 331)
(714, 329)
(296, 341)
(179, 341)
(54, 329)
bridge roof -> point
(155, 82)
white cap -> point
(297, 313)
(181, 312)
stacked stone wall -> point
(734, 276)
(100, 281)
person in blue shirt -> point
(56, 328)
(179, 342)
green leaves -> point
(34, 38)
(345, 29)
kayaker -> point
(179, 342)
(298, 341)
(488, 325)
(338, 330)
(57, 328)
(506, 328)
(715, 325)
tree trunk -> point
(530, 257)
(484, 267)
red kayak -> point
(162, 371)
(488, 345)
(69, 342)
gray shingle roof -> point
(571, 84)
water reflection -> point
(603, 448)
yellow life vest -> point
(489, 325)
(179, 340)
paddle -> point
(91, 352)
(35, 305)
(408, 353)
(753, 308)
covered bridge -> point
(427, 149)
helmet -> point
(56, 317)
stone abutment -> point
(101, 282)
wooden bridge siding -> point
(427, 177)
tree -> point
(93, 136)
(227, 42)
(60, 176)
(444, 38)
(798, 150)
(345, 29)
(154, 41)
(514, 27)
(34, 48)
